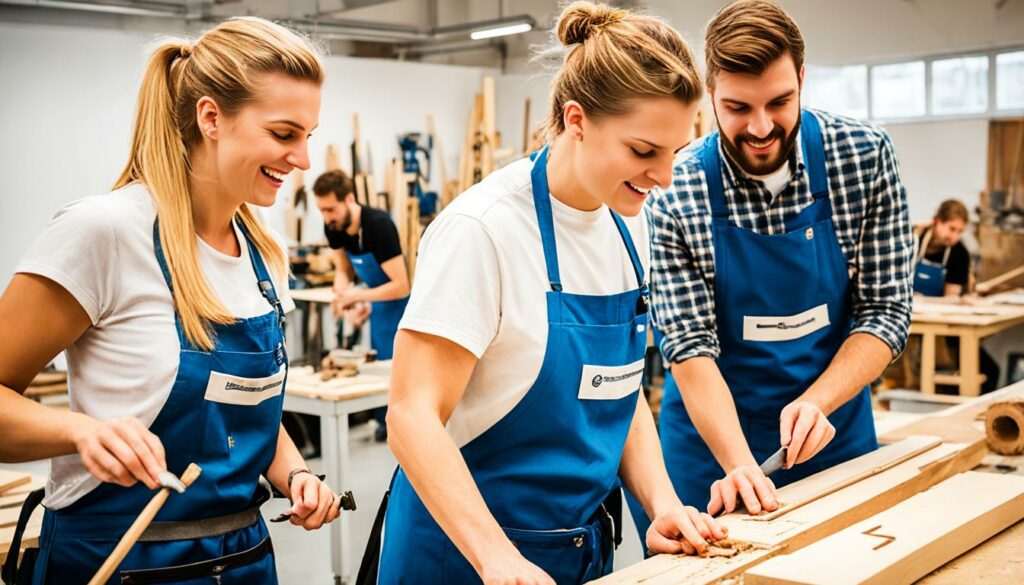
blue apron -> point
(384, 315)
(795, 277)
(546, 467)
(930, 277)
(224, 413)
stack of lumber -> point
(815, 508)
(891, 516)
(482, 141)
(14, 488)
(48, 385)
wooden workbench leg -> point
(970, 376)
(927, 363)
(334, 445)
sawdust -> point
(726, 548)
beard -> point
(342, 224)
(761, 165)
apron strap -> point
(634, 257)
(266, 283)
(369, 567)
(814, 154)
(545, 220)
(158, 248)
(9, 573)
(711, 160)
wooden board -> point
(907, 541)
(15, 496)
(947, 428)
(304, 382)
(808, 523)
(836, 478)
(997, 561)
(321, 294)
(11, 479)
(867, 497)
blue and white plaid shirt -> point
(869, 213)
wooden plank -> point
(808, 523)
(49, 378)
(859, 501)
(836, 478)
(9, 516)
(12, 479)
(907, 541)
(490, 141)
(997, 561)
(949, 430)
(304, 382)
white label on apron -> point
(610, 382)
(785, 328)
(229, 389)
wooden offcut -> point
(908, 541)
(12, 479)
(1004, 427)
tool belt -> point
(15, 573)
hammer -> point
(167, 482)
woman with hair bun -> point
(169, 297)
(516, 407)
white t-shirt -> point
(481, 282)
(100, 249)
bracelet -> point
(293, 473)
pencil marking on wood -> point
(888, 539)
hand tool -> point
(776, 462)
(168, 483)
(348, 502)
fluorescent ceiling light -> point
(501, 31)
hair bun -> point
(581, 20)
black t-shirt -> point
(957, 266)
(380, 237)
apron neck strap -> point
(266, 284)
(814, 154)
(546, 223)
(634, 257)
(926, 239)
(545, 220)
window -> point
(898, 90)
(841, 90)
(1010, 81)
(960, 85)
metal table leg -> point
(335, 448)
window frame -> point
(990, 112)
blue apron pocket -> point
(566, 555)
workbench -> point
(767, 543)
(333, 401)
(932, 319)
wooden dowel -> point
(139, 526)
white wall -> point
(939, 161)
(68, 99)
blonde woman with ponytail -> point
(515, 405)
(169, 296)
